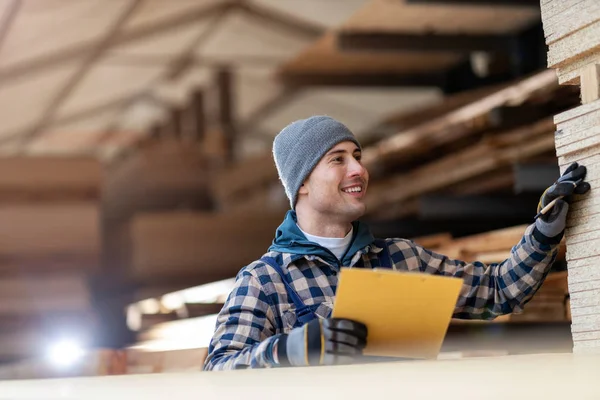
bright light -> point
(65, 353)
(172, 301)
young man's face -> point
(338, 184)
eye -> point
(337, 159)
(358, 157)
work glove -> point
(323, 342)
(570, 182)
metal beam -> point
(397, 41)
(486, 3)
(488, 206)
(380, 79)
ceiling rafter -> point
(81, 72)
(177, 66)
(152, 60)
(278, 20)
(57, 58)
(275, 19)
(8, 19)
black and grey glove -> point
(323, 342)
(570, 182)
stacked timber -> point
(572, 30)
(163, 174)
(49, 245)
(549, 304)
(182, 249)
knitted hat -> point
(299, 147)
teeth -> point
(353, 189)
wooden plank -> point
(497, 240)
(590, 83)
(462, 165)
(375, 41)
(562, 18)
(432, 241)
(60, 293)
(570, 73)
(139, 361)
(236, 181)
(444, 129)
(303, 79)
(488, 3)
(585, 40)
(50, 178)
(271, 198)
(12, 322)
(575, 113)
(40, 231)
(324, 57)
(208, 246)
(163, 174)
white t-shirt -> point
(337, 246)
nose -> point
(356, 169)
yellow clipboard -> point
(407, 314)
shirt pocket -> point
(321, 310)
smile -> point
(353, 189)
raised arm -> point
(496, 289)
(490, 290)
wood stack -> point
(49, 244)
(572, 30)
(548, 304)
(197, 247)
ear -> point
(303, 189)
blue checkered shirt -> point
(258, 310)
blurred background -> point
(136, 177)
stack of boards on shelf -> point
(550, 303)
(572, 31)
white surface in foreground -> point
(553, 376)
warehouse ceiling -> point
(94, 77)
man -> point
(278, 313)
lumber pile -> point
(49, 246)
(197, 247)
(549, 303)
(462, 118)
(572, 30)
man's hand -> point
(323, 342)
(571, 182)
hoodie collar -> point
(289, 239)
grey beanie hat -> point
(299, 147)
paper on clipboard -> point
(407, 314)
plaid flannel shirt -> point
(258, 309)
